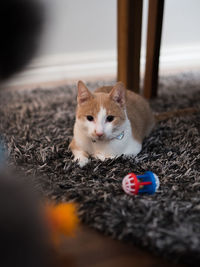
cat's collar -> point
(120, 136)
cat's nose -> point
(99, 134)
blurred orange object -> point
(62, 219)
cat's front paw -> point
(81, 158)
(100, 156)
(103, 157)
(82, 161)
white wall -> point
(181, 23)
(79, 26)
(80, 39)
(85, 25)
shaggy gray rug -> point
(37, 128)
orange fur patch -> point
(93, 105)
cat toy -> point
(138, 184)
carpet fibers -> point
(37, 128)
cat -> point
(110, 122)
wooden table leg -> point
(155, 18)
(129, 42)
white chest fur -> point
(127, 146)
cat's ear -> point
(118, 94)
(83, 93)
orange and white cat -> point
(110, 122)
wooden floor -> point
(92, 249)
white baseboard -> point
(101, 64)
(67, 67)
(180, 58)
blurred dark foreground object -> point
(21, 24)
(23, 234)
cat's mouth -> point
(99, 139)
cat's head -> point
(101, 115)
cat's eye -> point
(90, 118)
(110, 118)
